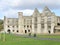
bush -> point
(29, 34)
(34, 35)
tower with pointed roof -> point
(46, 9)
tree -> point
(1, 26)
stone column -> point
(52, 24)
(33, 25)
(45, 25)
(5, 24)
(20, 22)
(39, 25)
(52, 28)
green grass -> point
(18, 40)
(49, 36)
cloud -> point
(10, 8)
(14, 13)
(31, 4)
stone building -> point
(40, 23)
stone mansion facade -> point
(40, 23)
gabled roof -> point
(46, 9)
(36, 11)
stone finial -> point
(36, 10)
(4, 17)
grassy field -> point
(49, 36)
(18, 40)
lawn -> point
(49, 36)
(18, 40)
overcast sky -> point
(10, 8)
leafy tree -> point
(1, 25)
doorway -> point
(49, 32)
(25, 31)
(8, 31)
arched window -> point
(17, 31)
(27, 26)
(28, 30)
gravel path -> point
(41, 38)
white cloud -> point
(26, 12)
(28, 4)
(14, 13)
(10, 8)
(11, 1)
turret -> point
(20, 22)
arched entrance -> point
(49, 32)
(25, 31)
(8, 31)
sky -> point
(10, 8)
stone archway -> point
(49, 31)
(8, 31)
(25, 31)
